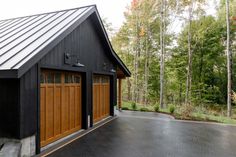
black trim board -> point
(37, 138)
(62, 68)
(8, 74)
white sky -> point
(110, 9)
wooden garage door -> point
(101, 97)
(60, 105)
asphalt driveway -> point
(135, 134)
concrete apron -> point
(27, 146)
(61, 144)
(17, 148)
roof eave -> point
(120, 62)
(8, 74)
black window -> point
(105, 79)
(57, 77)
(96, 79)
(68, 78)
(42, 78)
(77, 79)
(50, 78)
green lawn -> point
(221, 119)
(199, 115)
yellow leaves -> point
(234, 97)
(142, 32)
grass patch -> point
(221, 119)
(128, 105)
(209, 113)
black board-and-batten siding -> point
(19, 109)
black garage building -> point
(58, 74)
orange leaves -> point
(233, 22)
(134, 4)
(142, 32)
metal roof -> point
(22, 39)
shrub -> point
(144, 109)
(186, 110)
(133, 106)
(156, 108)
(125, 108)
(171, 109)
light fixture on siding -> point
(78, 64)
(113, 70)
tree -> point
(195, 55)
(162, 55)
(229, 61)
(189, 71)
(137, 40)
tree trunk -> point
(162, 34)
(146, 68)
(229, 62)
(136, 60)
(180, 93)
(128, 81)
(135, 92)
(189, 72)
(129, 89)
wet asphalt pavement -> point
(136, 134)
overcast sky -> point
(111, 9)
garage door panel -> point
(99, 94)
(101, 102)
(60, 105)
(77, 107)
(107, 100)
(101, 97)
(72, 107)
(65, 110)
(57, 110)
(49, 112)
(42, 108)
(97, 103)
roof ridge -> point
(92, 5)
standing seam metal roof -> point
(25, 40)
(22, 38)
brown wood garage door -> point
(60, 104)
(101, 97)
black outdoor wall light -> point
(73, 60)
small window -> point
(96, 79)
(50, 78)
(68, 78)
(77, 79)
(105, 79)
(57, 77)
(42, 78)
